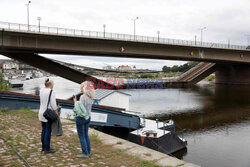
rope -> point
(19, 155)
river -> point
(216, 117)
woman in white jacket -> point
(46, 125)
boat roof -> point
(102, 93)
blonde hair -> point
(88, 88)
(48, 82)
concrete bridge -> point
(19, 43)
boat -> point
(38, 74)
(28, 76)
(16, 83)
(154, 134)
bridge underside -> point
(58, 69)
(225, 73)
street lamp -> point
(158, 32)
(134, 25)
(28, 17)
(39, 20)
(202, 33)
(104, 26)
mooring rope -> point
(19, 155)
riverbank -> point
(22, 129)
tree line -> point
(181, 68)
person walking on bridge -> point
(47, 100)
(82, 112)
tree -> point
(4, 85)
(182, 68)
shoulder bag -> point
(49, 114)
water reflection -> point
(226, 105)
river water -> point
(216, 117)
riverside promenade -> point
(21, 129)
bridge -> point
(18, 41)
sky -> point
(178, 19)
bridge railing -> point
(114, 36)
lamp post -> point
(134, 25)
(195, 39)
(28, 17)
(158, 32)
(104, 26)
(202, 33)
(39, 20)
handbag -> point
(49, 114)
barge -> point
(160, 136)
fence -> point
(113, 36)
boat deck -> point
(153, 126)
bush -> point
(4, 85)
(210, 78)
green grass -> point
(94, 137)
(29, 113)
(210, 78)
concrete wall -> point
(116, 99)
(233, 74)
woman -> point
(45, 93)
(83, 113)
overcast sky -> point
(179, 19)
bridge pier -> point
(233, 74)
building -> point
(124, 68)
(113, 98)
(10, 65)
(23, 66)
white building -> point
(9, 65)
(113, 98)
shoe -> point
(51, 151)
(82, 156)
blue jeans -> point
(46, 135)
(82, 127)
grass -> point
(94, 137)
(22, 129)
(210, 78)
